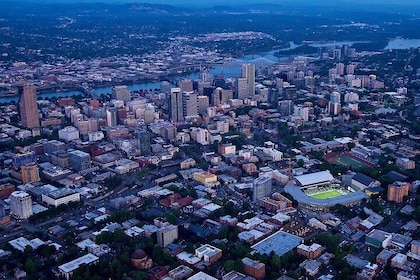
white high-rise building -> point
(111, 117)
(21, 204)
(335, 97)
(262, 187)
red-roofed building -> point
(157, 273)
(176, 201)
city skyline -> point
(209, 140)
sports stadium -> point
(320, 190)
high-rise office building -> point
(219, 81)
(279, 83)
(186, 85)
(21, 204)
(350, 69)
(111, 117)
(216, 97)
(285, 107)
(175, 105)
(273, 97)
(121, 93)
(29, 173)
(205, 76)
(165, 87)
(242, 90)
(345, 50)
(262, 187)
(226, 95)
(351, 52)
(28, 106)
(143, 137)
(203, 103)
(340, 68)
(334, 108)
(190, 104)
(337, 53)
(335, 97)
(248, 72)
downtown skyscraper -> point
(176, 112)
(28, 107)
(248, 72)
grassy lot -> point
(348, 161)
(327, 194)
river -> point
(229, 69)
(402, 44)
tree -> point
(116, 268)
(275, 262)
(300, 162)
(171, 218)
(138, 275)
(30, 266)
(239, 266)
(240, 251)
(229, 265)
(330, 241)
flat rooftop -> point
(201, 276)
(75, 264)
(59, 193)
(280, 243)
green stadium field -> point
(327, 194)
(349, 162)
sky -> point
(237, 2)
(387, 6)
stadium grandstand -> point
(320, 190)
(314, 180)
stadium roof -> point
(363, 179)
(314, 178)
